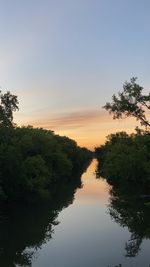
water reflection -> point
(129, 208)
(132, 211)
(86, 231)
(23, 230)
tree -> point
(130, 102)
(8, 104)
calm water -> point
(87, 227)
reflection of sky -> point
(64, 59)
(94, 190)
(86, 236)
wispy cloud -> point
(71, 120)
(88, 127)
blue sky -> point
(65, 58)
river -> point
(84, 232)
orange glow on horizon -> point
(89, 128)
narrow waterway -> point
(82, 234)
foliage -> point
(32, 161)
(8, 104)
(130, 102)
(125, 159)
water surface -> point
(82, 229)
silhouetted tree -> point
(8, 104)
(33, 161)
(125, 159)
(130, 102)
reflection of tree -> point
(133, 212)
(133, 245)
(23, 230)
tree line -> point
(33, 160)
(125, 158)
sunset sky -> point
(65, 58)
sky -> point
(64, 59)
